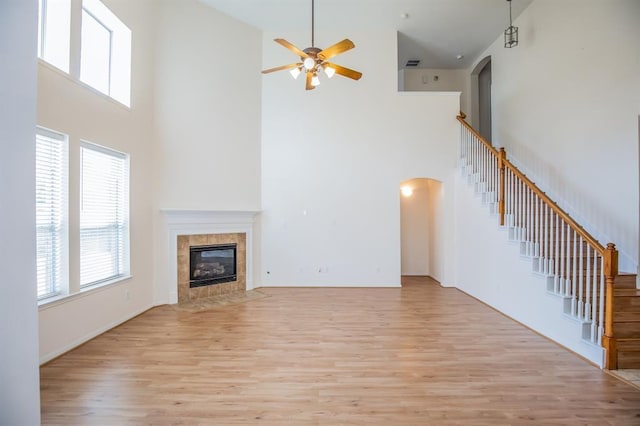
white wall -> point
(72, 108)
(566, 103)
(19, 387)
(207, 118)
(207, 115)
(333, 160)
(437, 80)
(438, 233)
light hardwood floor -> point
(420, 355)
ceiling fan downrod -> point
(313, 21)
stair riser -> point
(629, 345)
(622, 316)
(630, 360)
(626, 304)
(626, 330)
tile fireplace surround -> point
(199, 227)
(185, 242)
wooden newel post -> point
(608, 339)
(501, 164)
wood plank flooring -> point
(420, 355)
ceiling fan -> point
(314, 59)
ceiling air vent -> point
(413, 62)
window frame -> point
(110, 31)
(119, 68)
(62, 29)
(125, 271)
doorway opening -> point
(421, 230)
(481, 98)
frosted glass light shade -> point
(330, 72)
(295, 72)
(309, 63)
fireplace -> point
(212, 264)
(187, 228)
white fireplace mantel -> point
(193, 222)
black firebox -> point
(214, 264)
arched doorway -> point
(421, 230)
(481, 98)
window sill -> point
(76, 80)
(86, 291)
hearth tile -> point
(200, 293)
(183, 243)
(183, 268)
(214, 290)
(198, 240)
(215, 239)
(183, 296)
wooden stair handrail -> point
(564, 215)
(461, 119)
(609, 254)
(541, 194)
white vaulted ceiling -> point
(435, 31)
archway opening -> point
(421, 230)
(481, 78)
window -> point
(51, 213)
(96, 59)
(54, 32)
(104, 215)
(105, 53)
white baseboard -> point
(312, 285)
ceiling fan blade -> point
(283, 67)
(336, 49)
(345, 72)
(291, 47)
(309, 85)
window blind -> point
(51, 212)
(104, 215)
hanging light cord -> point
(510, 20)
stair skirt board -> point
(509, 276)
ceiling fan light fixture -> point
(295, 72)
(313, 59)
(329, 71)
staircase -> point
(576, 267)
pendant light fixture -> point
(511, 33)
